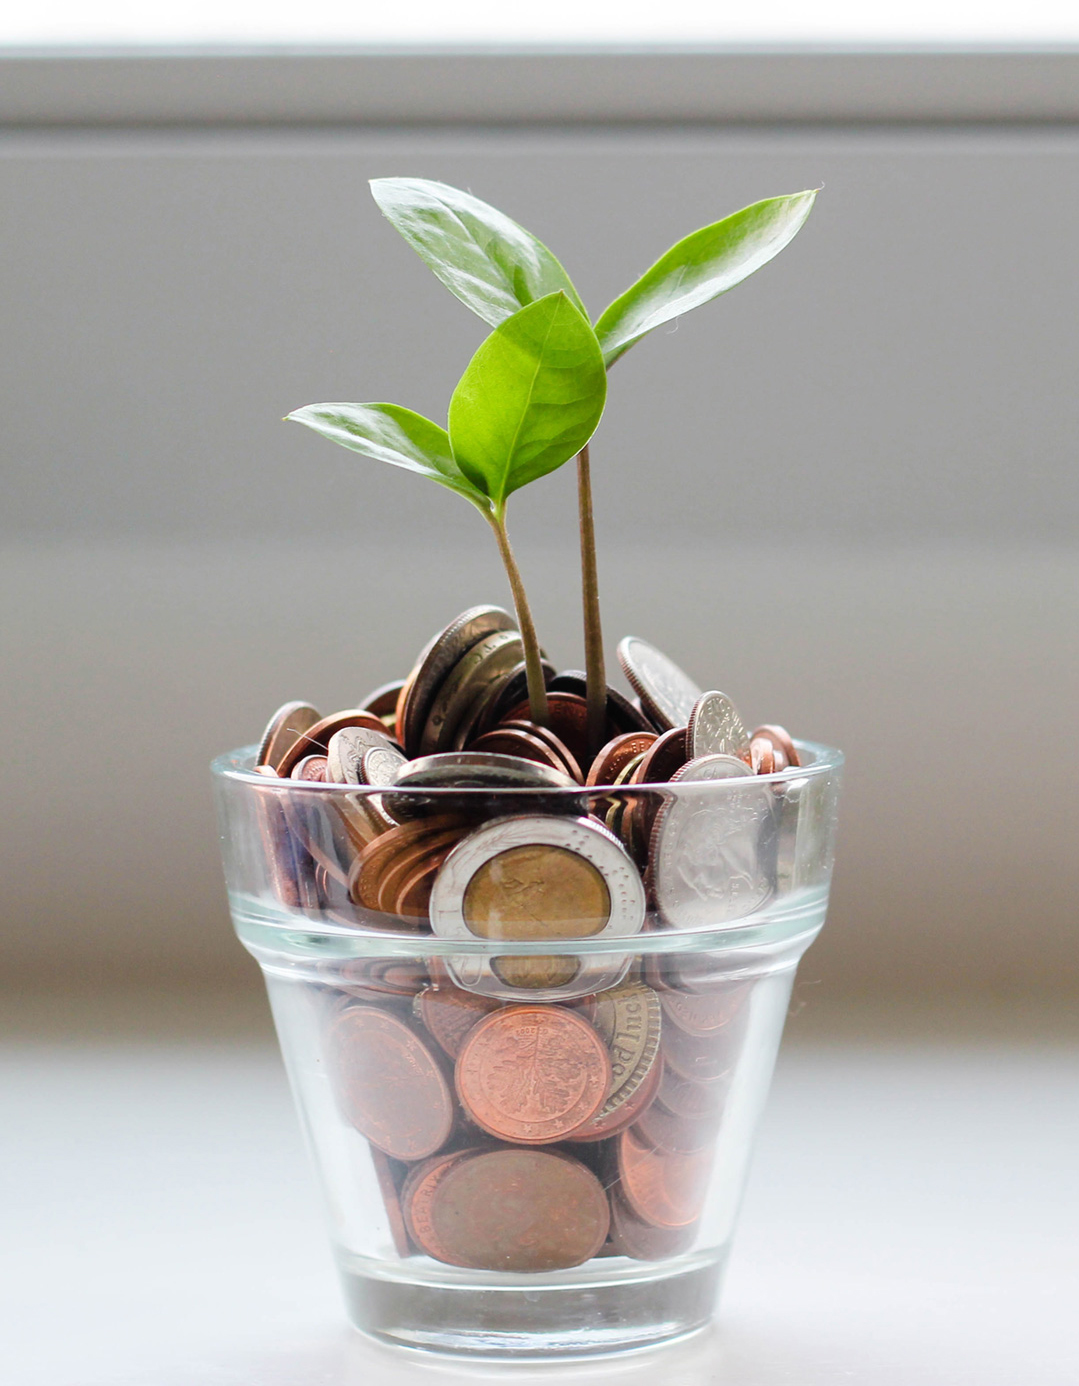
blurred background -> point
(846, 493)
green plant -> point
(505, 427)
(528, 401)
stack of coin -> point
(529, 1110)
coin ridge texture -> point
(519, 1210)
(533, 1074)
(667, 692)
(389, 1084)
(437, 659)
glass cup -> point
(530, 1034)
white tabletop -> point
(912, 1220)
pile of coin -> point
(528, 1108)
(523, 1137)
(460, 721)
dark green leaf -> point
(391, 434)
(700, 268)
(530, 398)
(491, 264)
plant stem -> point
(537, 689)
(595, 673)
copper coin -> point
(382, 701)
(379, 976)
(368, 869)
(564, 757)
(512, 741)
(674, 1134)
(391, 1200)
(399, 711)
(417, 1195)
(283, 729)
(389, 1085)
(316, 738)
(413, 900)
(449, 1013)
(533, 1074)
(694, 1101)
(517, 1210)
(663, 1190)
(284, 861)
(663, 759)
(617, 754)
(781, 738)
(436, 661)
(419, 853)
(706, 1012)
(311, 768)
(567, 715)
(632, 1237)
(622, 716)
(708, 1059)
(762, 756)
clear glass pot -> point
(530, 1034)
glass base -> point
(570, 1314)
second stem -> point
(595, 671)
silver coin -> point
(346, 750)
(715, 728)
(710, 858)
(284, 728)
(666, 692)
(440, 656)
(480, 770)
(381, 765)
(537, 878)
(480, 669)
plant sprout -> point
(533, 394)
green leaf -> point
(530, 398)
(391, 434)
(493, 265)
(700, 268)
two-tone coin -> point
(533, 878)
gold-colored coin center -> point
(535, 892)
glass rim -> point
(237, 766)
